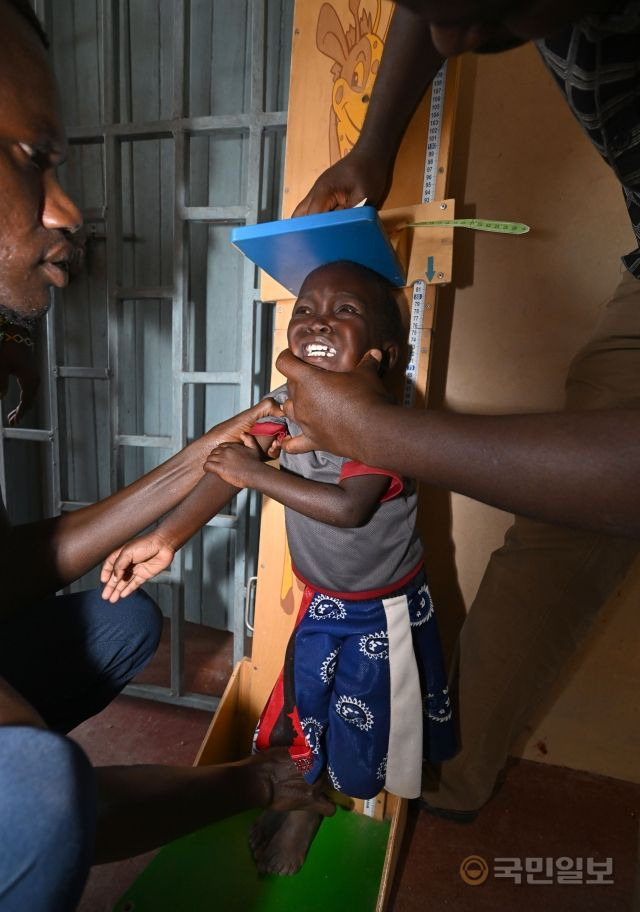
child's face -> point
(335, 319)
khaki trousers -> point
(542, 590)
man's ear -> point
(390, 352)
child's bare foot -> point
(280, 841)
(263, 830)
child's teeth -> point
(320, 351)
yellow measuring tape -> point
(474, 224)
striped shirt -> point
(596, 63)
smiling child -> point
(362, 698)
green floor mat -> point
(212, 871)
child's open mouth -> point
(318, 350)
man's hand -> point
(355, 177)
(236, 463)
(284, 788)
(18, 359)
(333, 409)
(233, 429)
(408, 65)
(127, 568)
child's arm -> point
(348, 504)
(142, 558)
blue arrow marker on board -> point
(430, 269)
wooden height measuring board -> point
(330, 76)
(336, 48)
(317, 98)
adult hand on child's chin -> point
(333, 409)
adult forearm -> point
(578, 469)
(66, 547)
(143, 807)
(408, 66)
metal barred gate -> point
(176, 115)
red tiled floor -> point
(208, 660)
(541, 812)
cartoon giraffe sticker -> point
(356, 53)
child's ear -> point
(390, 352)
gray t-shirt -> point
(365, 559)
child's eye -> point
(347, 308)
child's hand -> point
(275, 448)
(233, 430)
(236, 463)
(127, 568)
